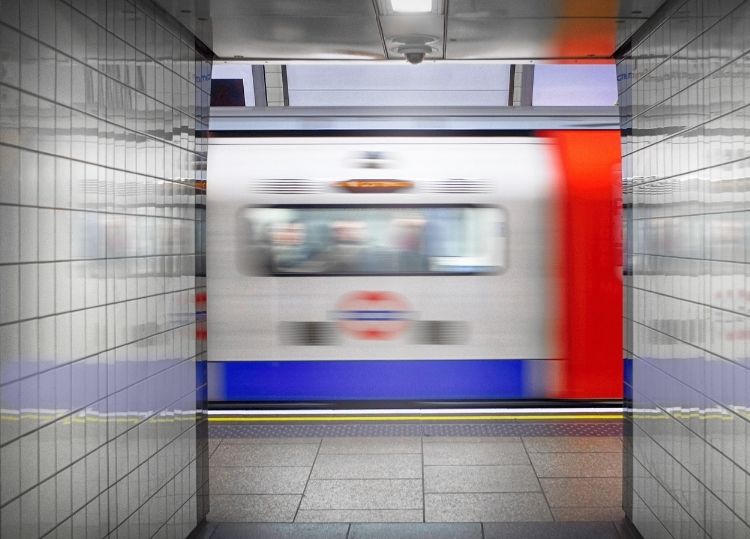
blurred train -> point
(447, 257)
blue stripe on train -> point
(367, 380)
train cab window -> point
(377, 240)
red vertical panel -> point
(590, 262)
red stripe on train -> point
(589, 262)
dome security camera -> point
(414, 57)
(415, 47)
(415, 53)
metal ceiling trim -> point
(409, 119)
(380, 29)
(657, 19)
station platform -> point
(416, 474)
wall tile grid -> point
(685, 105)
(102, 378)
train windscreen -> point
(378, 240)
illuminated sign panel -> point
(374, 186)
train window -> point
(378, 240)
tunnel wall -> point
(684, 98)
(102, 382)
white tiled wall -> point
(102, 430)
(685, 98)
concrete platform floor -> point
(377, 474)
(428, 530)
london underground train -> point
(450, 256)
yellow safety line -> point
(273, 419)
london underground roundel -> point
(373, 315)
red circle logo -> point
(373, 315)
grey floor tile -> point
(572, 444)
(204, 530)
(258, 480)
(427, 530)
(367, 467)
(625, 529)
(497, 507)
(277, 441)
(550, 530)
(463, 453)
(212, 445)
(253, 508)
(471, 439)
(577, 464)
(588, 514)
(373, 445)
(264, 455)
(280, 531)
(512, 478)
(583, 491)
(363, 494)
(359, 515)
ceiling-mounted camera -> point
(414, 57)
(415, 54)
(415, 47)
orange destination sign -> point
(374, 186)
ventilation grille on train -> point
(288, 187)
(459, 186)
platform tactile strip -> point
(514, 428)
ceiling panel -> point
(502, 38)
(297, 38)
(542, 29)
(513, 30)
(294, 29)
(336, 9)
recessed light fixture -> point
(411, 6)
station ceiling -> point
(485, 30)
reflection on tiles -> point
(684, 93)
(102, 429)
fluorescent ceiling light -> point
(411, 6)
